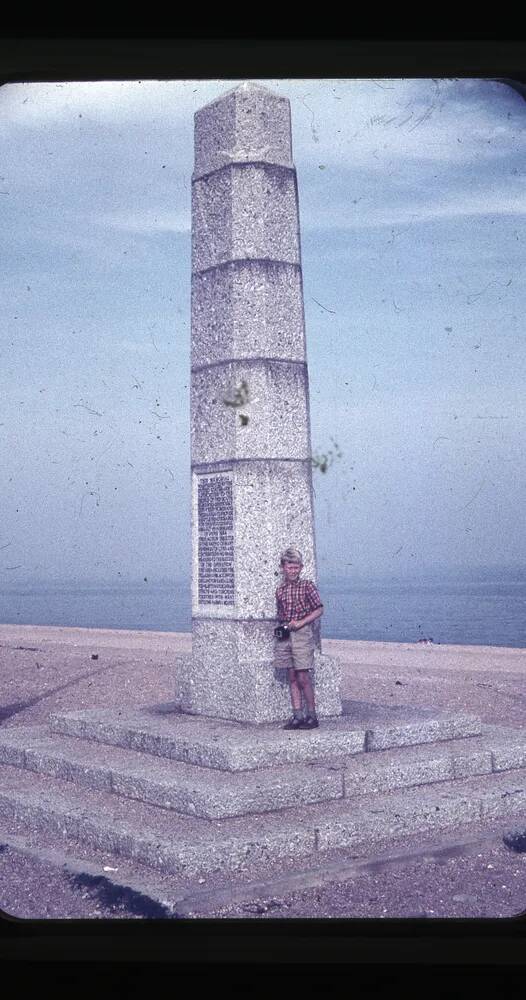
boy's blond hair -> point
(291, 555)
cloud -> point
(147, 222)
(438, 121)
(135, 346)
(110, 101)
(372, 211)
(333, 118)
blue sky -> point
(412, 202)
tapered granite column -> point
(250, 434)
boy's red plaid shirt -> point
(295, 599)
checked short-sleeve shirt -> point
(295, 599)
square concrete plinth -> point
(251, 692)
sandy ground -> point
(43, 669)
(47, 669)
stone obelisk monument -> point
(250, 433)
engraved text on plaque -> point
(215, 532)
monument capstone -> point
(251, 461)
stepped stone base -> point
(192, 796)
(214, 743)
(188, 847)
(185, 788)
(207, 792)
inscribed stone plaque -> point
(215, 539)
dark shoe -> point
(294, 723)
(310, 722)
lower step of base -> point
(191, 848)
(144, 893)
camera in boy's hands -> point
(282, 632)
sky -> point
(412, 201)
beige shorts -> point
(297, 651)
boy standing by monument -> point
(298, 606)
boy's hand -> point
(294, 625)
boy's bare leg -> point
(295, 690)
(305, 684)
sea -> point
(487, 609)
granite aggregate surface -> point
(46, 669)
(479, 880)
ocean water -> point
(488, 612)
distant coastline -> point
(475, 607)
